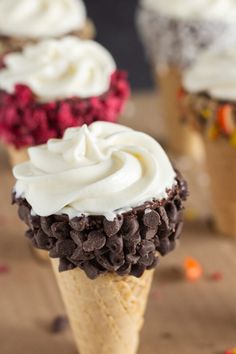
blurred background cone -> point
(180, 139)
(106, 314)
(16, 156)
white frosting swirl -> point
(221, 10)
(58, 69)
(41, 18)
(101, 169)
(213, 72)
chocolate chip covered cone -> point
(106, 314)
(222, 170)
(181, 140)
(104, 256)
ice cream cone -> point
(16, 156)
(89, 31)
(106, 314)
(181, 140)
(222, 169)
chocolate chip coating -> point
(128, 245)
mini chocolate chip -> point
(112, 227)
(117, 259)
(154, 263)
(178, 203)
(131, 258)
(42, 240)
(34, 221)
(29, 234)
(104, 262)
(146, 247)
(78, 237)
(96, 240)
(46, 223)
(59, 324)
(78, 254)
(101, 252)
(164, 218)
(137, 270)
(164, 246)
(34, 242)
(156, 241)
(178, 230)
(65, 265)
(172, 212)
(91, 271)
(148, 259)
(151, 219)
(130, 226)
(61, 217)
(95, 222)
(24, 213)
(78, 223)
(124, 269)
(53, 252)
(115, 244)
(60, 230)
(131, 243)
(135, 238)
(148, 233)
(65, 248)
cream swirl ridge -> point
(41, 18)
(102, 169)
(213, 73)
(58, 69)
(220, 10)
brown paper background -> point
(182, 317)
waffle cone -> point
(106, 314)
(16, 156)
(181, 139)
(221, 162)
(89, 31)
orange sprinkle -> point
(180, 93)
(231, 351)
(193, 269)
(225, 119)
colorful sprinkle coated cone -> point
(106, 314)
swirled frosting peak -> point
(101, 169)
(58, 69)
(41, 18)
(214, 72)
(221, 10)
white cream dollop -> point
(41, 18)
(221, 10)
(214, 72)
(101, 169)
(58, 69)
